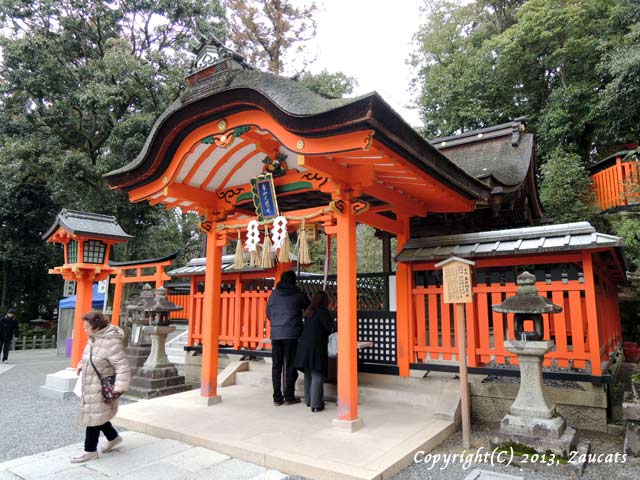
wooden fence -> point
(618, 185)
(33, 342)
(586, 332)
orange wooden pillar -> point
(404, 320)
(211, 317)
(117, 300)
(593, 334)
(347, 321)
(84, 300)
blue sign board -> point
(264, 197)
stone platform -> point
(294, 440)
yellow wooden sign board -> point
(456, 280)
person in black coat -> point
(284, 311)
(312, 354)
(8, 329)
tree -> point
(328, 85)
(271, 33)
(566, 188)
(81, 85)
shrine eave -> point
(297, 110)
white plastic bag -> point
(332, 346)
(77, 390)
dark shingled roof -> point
(500, 155)
(86, 223)
(297, 109)
(146, 261)
(519, 241)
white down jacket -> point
(109, 357)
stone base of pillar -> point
(560, 446)
(208, 401)
(157, 382)
(348, 425)
(631, 413)
(545, 428)
(60, 385)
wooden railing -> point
(618, 185)
(34, 342)
(183, 300)
(243, 314)
(587, 330)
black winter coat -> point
(312, 349)
(284, 311)
(9, 328)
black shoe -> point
(278, 403)
(319, 409)
(293, 401)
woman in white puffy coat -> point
(106, 348)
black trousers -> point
(5, 345)
(283, 354)
(93, 433)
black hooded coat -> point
(284, 311)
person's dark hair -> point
(96, 319)
(319, 299)
(288, 277)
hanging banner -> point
(264, 197)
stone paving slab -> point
(5, 367)
(140, 457)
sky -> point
(370, 41)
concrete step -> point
(257, 379)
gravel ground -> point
(29, 422)
(600, 443)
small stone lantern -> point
(157, 376)
(158, 313)
(532, 421)
(527, 305)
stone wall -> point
(583, 405)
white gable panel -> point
(191, 160)
(228, 166)
(252, 167)
(205, 167)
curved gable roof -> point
(295, 108)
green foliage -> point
(571, 67)
(329, 85)
(565, 190)
(82, 83)
(627, 226)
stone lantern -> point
(532, 421)
(157, 376)
(159, 328)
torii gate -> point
(337, 162)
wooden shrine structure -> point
(333, 163)
(336, 163)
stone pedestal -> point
(153, 375)
(631, 413)
(533, 421)
(60, 385)
(158, 356)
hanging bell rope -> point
(238, 260)
(267, 256)
(304, 257)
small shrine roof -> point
(89, 224)
(146, 261)
(520, 241)
(197, 266)
(498, 155)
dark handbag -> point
(107, 382)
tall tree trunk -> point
(3, 301)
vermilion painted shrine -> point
(338, 163)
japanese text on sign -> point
(456, 283)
